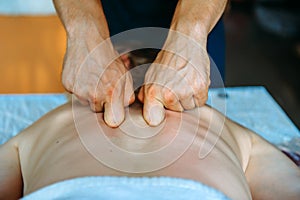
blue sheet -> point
(19, 111)
(252, 107)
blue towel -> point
(133, 188)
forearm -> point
(196, 18)
(82, 19)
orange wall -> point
(31, 54)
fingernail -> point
(156, 115)
(115, 120)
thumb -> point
(153, 111)
(114, 113)
(141, 94)
(129, 95)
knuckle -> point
(169, 97)
(200, 88)
(68, 83)
(200, 99)
(110, 92)
(184, 94)
(189, 107)
(151, 91)
(93, 98)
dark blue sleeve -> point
(123, 15)
(216, 46)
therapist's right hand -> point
(96, 75)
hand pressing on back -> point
(98, 78)
(178, 79)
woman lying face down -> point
(201, 145)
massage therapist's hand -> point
(92, 69)
(96, 80)
(177, 80)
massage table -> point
(252, 107)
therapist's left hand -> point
(177, 80)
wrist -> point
(196, 18)
(87, 28)
(196, 30)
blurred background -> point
(262, 48)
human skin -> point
(235, 161)
(85, 72)
(86, 27)
(195, 19)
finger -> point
(126, 60)
(175, 107)
(154, 112)
(200, 99)
(114, 113)
(171, 101)
(141, 94)
(83, 101)
(131, 100)
(187, 103)
(129, 96)
(96, 105)
(95, 102)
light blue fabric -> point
(19, 111)
(252, 107)
(26, 7)
(128, 188)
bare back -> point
(52, 150)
